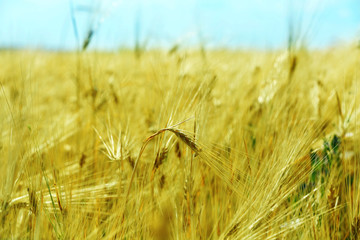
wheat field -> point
(185, 144)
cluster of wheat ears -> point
(180, 145)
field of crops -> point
(184, 144)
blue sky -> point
(162, 23)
